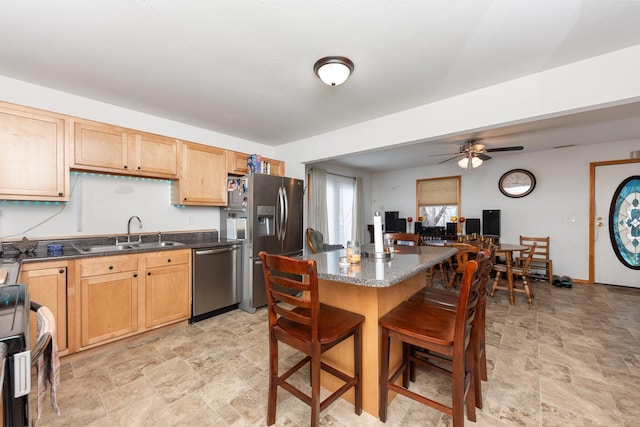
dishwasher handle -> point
(217, 251)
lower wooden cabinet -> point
(108, 298)
(124, 295)
(47, 285)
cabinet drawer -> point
(165, 258)
(107, 265)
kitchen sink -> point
(125, 247)
(151, 245)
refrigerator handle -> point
(286, 213)
(279, 214)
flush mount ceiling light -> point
(333, 70)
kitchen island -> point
(371, 288)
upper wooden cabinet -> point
(237, 164)
(33, 164)
(106, 148)
(202, 176)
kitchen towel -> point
(48, 364)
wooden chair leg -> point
(496, 283)
(315, 390)
(527, 289)
(357, 368)
(431, 272)
(273, 382)
(384, 376)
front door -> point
(608, 268)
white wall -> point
(102, 204)
(558, 207)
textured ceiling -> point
(245, 68)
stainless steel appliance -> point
(273, 208)
(216, 280)
(16, 362)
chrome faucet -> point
(129, 228)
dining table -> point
(372, 287)
(505, 250)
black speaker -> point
(472, 225)
(452, 229)
(391, 221)
(491, 222)
(418, 227)
(401, 225)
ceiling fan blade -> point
(450, 158)
(443, 154)
(482, 156)
(514, 148)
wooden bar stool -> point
(441, 332)
(448, 300)
(301, 322)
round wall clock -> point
(517, 183)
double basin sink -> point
(125, 246)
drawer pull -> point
(149, 273)
(169, 260)
(111, 267)
(135, 275)
(61, 271)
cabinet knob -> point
(61, 271)
(135, 274)
(149, 273)
(111, 267)
(185, 199)
(126, 167)
(169, 260)
(60, 194)
(139, 168)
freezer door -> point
(293, 233)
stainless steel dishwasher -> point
(216, 280)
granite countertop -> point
(402, 264)
(12, 258)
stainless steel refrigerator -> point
(273, 208)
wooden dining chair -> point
(540, 259)
(448, 300)
(523, 272)
(403, 238)
(302, 322)
(443, 332)
(464, 254)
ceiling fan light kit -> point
(474, 154)
(333, 70)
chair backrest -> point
(470, 292)
(530, 256)
(542, 247)
(488, 251)
(414, 239)
(296, 275)
(315, 240)
(463, 255)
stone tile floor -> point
(571, 359)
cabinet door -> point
(109, 307)
(156, 155)
(203, 176)
(167, 295)
(277, 167)
(236, 163)
(33, 163)
(100, 147)
(48, 287)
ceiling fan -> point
(472, 153)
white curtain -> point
(317, 218)
(340, 208)
(358, 212)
